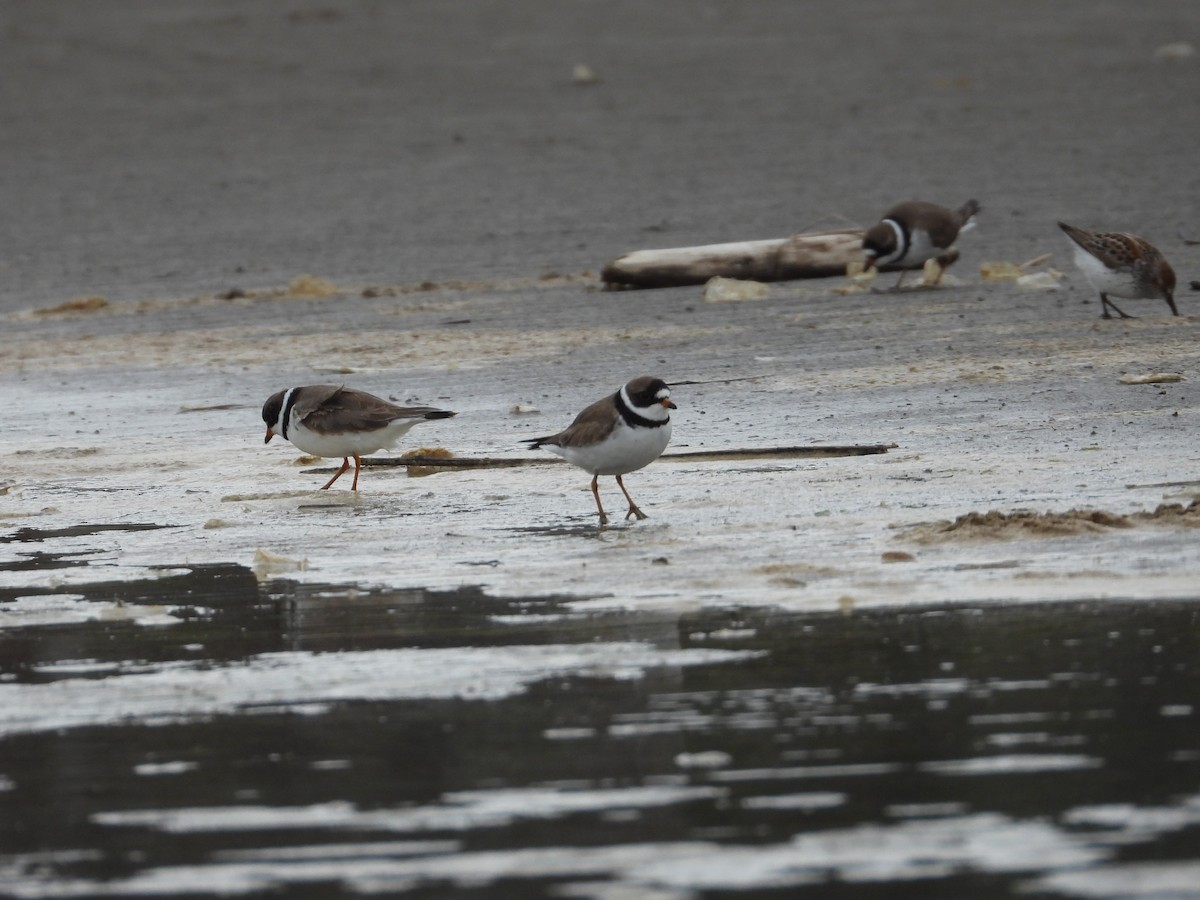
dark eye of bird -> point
(649, 395)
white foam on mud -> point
(177, 767)
(1121, 824)
(1012, 764)
(569, 734)
(99, 568)
(870, 853)
(1138, 821)
(1021, 718)
(851, 770)
(924, 810)
(1070, 858)
(1133, 881)
(805, 802)
(755, 709)
(354, 851)
(458, 811)
(72, 609)
(294, 681)
(933, 687)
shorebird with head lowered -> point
(913, 232)
(332, 420)
(617, 435)
(1123, 265)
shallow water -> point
(205, 733)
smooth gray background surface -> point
(169, 148)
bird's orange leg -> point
(340, 472)
(633, 510)
(357, 469)
(596, 494)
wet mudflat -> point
(961, 667)
(205, 733)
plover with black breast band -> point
(332, 420)
(911, 233)
(617, 435)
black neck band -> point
(287, 413)
(632, 419)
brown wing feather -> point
(942, 224)
(312, 397)
(943, 228)
(591, 426)
(334, 409)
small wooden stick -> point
(816, 451)
(716, 380)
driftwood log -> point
(813, 255)
(810, 255)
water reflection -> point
(299, 740)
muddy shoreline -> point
(961, 666)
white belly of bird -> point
(349, 443)
(1119, 283)
(920, 249)
(625, 450)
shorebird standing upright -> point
(617, 435)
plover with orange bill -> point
(622, 433)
